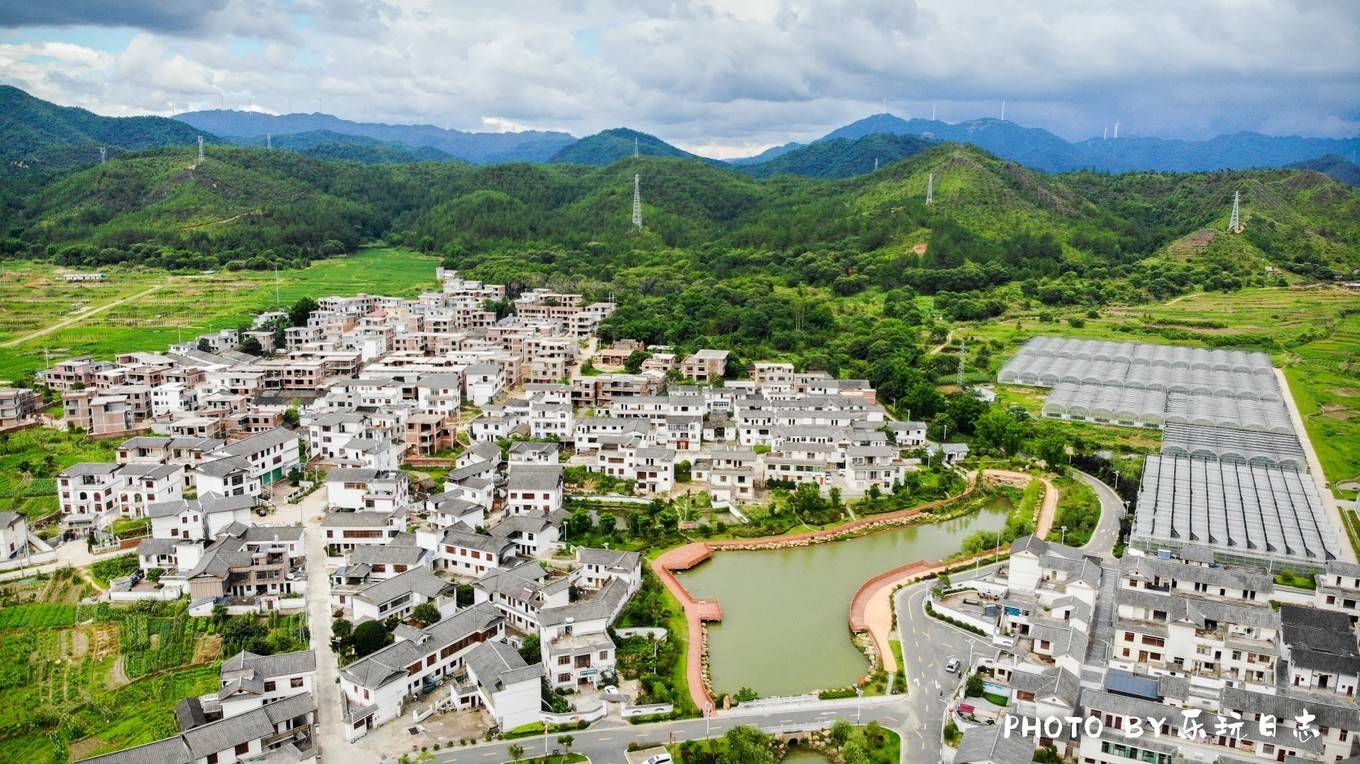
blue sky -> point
(721, 78)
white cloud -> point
(722, 77)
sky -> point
(719, 78)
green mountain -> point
(992, 221)
(38, 137)
(610, 146)
(840, 157)
(325, 144)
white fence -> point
(589, 715)
(649, 710)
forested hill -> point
(38, 137)
(840, 158)
(992, 222)
(609, 146)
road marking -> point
(606, 738)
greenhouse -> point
(1239, 413)
(1144, 354)
(1106, 403)
(1246, 510)
(1227, 444)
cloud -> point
(722, 76)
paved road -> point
(927, 643)
(607, 745)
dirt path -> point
(237, 216)
(76, 319)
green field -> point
(1312, 333)
(80, 680)
(182, 306)
(29, 463)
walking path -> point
(77, 319)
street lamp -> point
(708, 717)
(859, 703)
(1064, 535)
(1116, 480)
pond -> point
(785, 627)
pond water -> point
(801, 756)
(785, 627)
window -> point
(295, 682)
(269, 686)
(242, 748)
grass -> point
(29, 462)
(184, 305)
(1078, 509)
(105, 571)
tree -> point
(853, 753)
(251, 346)
(301, 311)
(747, 745)
(516, 752)
(566, 741)
(1052, 448)
(975, 687)
(531, 651)
(633, 364)
(746, 695)
(840, 731)
(204, 346)
(291, 416)
(425, 614)
(369, 637)
(341, 631)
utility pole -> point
(1235, 225)
(930, 188)
(637, 201)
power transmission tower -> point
(1105, 133)
(635, 147)
(932, 111)
(103, 154)
(268, 141)
(1003, 110)
(200, 149)
(1116, 129)
(875, 164)
(930, 188)
(637, 202)
(1235, 225)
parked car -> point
(660, 758)
(952, 666)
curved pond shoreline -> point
(699, 611)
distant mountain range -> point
(1042, 150)
(38, 138)
(478, 148)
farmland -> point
(82, 679)
(162, 308)
(29, 463)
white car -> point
(660, 758)
(952, 666)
